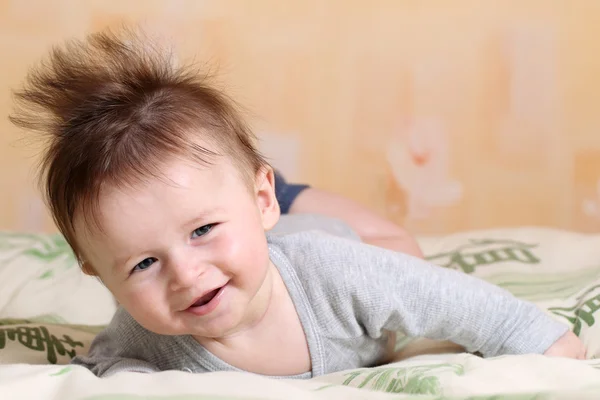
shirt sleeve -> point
(117, 349)
(107, 366)
(286, 193)
(386, 290)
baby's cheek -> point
(241, 252)
(144, 304)
(227, 252)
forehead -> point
(180, 183)
(183, 189)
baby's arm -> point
(392, 291)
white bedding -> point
(52, 306)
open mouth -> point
(208, 302)
(206, 298)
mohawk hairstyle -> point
(113, 107)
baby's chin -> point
(212, 329)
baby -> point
(155, 181)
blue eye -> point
(145, 264)
(203, 230)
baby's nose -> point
(185, 274)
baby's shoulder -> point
(127, 346)
(123, 337)
(323, 262)
(334, 275)
(123, 323)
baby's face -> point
(186, 254)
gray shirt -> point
(348, 295)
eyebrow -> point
(119, 262)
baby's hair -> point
(114, 107)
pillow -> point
(39, 275)
(37, 341)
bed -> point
(50, 311)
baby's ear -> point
(87, 269)
(265, 197)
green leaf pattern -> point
(50, 250)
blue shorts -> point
(286, 193)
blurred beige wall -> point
(442, 115)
